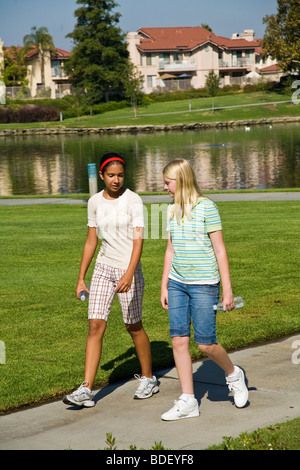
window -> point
(56, 69)
(177, 58)
(164, 57)
(249, 56)
(150, 59)
(151, 81)
(237, 58)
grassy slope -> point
(177, 112)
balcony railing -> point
(235, 63)
(179, 66)
(55, 74)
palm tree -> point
(42, 41)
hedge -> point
(28, 113)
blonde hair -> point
(187, 191)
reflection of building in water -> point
(55, 175)
(38, 173)
(201, 165)
(262, 159)
(236, 167)
(5, 181)
(217, 167)
(150, 176)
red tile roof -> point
(62, 53)
(59, 53)
(270, 68)
(188, 38)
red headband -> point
(111, 160)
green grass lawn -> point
(44, 326)
(177, 112)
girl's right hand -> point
(81, 285)
(164, 298)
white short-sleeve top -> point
(115, 220)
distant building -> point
(180, 58)
(55, 77)
(56, 81)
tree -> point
(206, 26)
(15, 70)
(212, 85)
(42, 41)
(100, 53)
(282, 36)
(133, 83)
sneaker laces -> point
(84, 384)
(81, 388)
(143, 382)
(177, 403)
(234, 386)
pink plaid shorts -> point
(103, 289)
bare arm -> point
(223, 263)
(125, 281)
(167, 266)
(87, 256)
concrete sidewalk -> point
(269, 196)
(273, 374)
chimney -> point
(248, 34)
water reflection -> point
(222, 159)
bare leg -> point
(93, 350)
(183, 363)
(218, 354)
(142, 346)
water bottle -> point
(238, 301)
(83, 295)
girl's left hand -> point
(124, 283)
(228, 302)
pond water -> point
(263, 157)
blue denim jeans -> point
(193, 302)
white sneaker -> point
(146, 388)
(183, 408)
(83, 396)
(236, 384)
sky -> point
(225, 17)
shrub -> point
(6, 115)
(28, 113)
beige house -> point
(180, 58)
(54, 82)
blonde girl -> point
(195, 262)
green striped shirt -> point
(194, 260)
